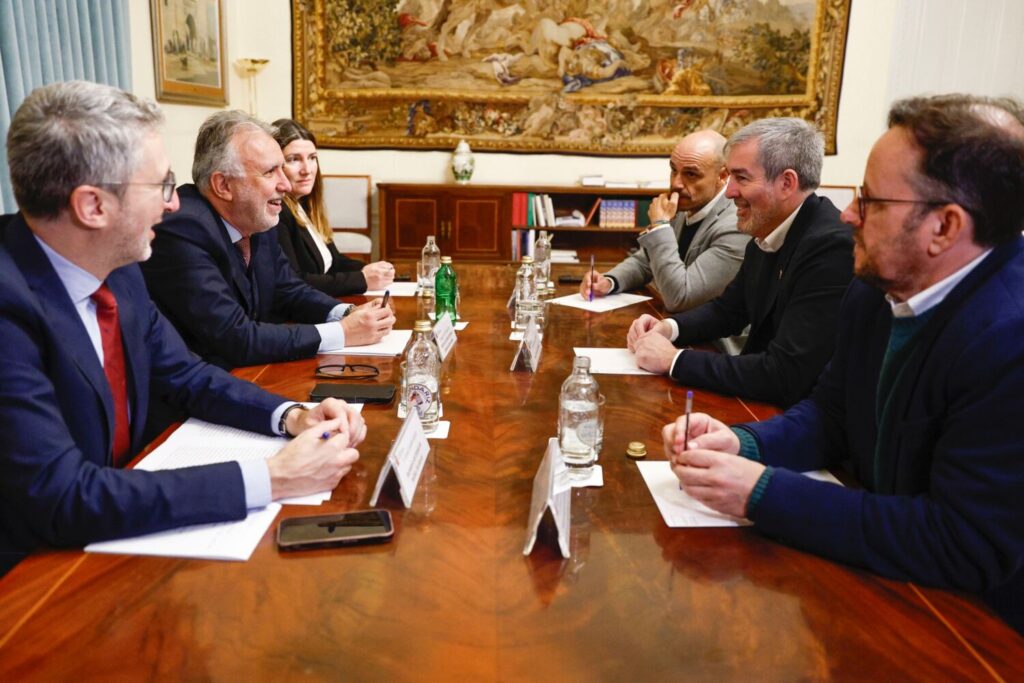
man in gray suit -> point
(692, 249)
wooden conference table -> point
(453, 598)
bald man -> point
(692, 249)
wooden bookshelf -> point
(475, 222)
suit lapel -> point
(311, 248)
(133, 328)
(777, 264)
(57, 309)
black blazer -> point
(226, 314)
(345, 276)
(790, 299)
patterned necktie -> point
(114, 369)
(245, 249)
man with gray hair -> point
(220, 276)
(83, 347)
(788, 289)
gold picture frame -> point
(610, 77)
(188, 51)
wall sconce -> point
(248, 68)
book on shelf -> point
(590, 214)
(549, 210)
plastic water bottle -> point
(430, 261)
(527, 302)
(578, 418)
(542, 261)
(446, 288)
(423, 377)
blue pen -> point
(325, 436)
(591, 277)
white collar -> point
(777, 237)
(79, 283)
(700, 215)
(931, 297)
(233, 233)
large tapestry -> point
(623, 77)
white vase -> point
(462, 163)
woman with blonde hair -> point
(304, 233)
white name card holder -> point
(405, 459)
(528, 352)
(444, 336)
(547, 495)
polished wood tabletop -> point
(453, 598)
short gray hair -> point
(75, 133)
(785, 143)
(214, 151)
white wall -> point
(892, 51)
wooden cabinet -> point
(474, 222)
(469, 223)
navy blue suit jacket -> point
(790, 299)
(56, 414)
(227, 315)
(954, 514)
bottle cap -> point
(422, 326)
(527, 259)
(636, 450)
(446, 259)
(581, 362)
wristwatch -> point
(284, 418)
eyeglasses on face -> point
(347, 371)
(863, 200)
(168, 184)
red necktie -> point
(244, 247)
(114, 368)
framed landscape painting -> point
(188, 51)
(610, 77)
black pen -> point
(384, 301)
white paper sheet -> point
(396, 289)
(392, 344)
(611, 361)
(223, 541)
(679, 509)
(203, 443)
(600, 304)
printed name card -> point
(547, 495)
(405, 459)
(444, 336)
(528, 352)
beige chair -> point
(347, 200)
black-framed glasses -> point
(347, 371)
(168, 184)
(863, 200)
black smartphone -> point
(570, 279)
(354, 393)
(403, 277)
(327, 531)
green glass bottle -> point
(446, 288)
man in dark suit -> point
(922, 401)
(83, 346)
(218, 272)
(788, 289)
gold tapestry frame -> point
(350, 101)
